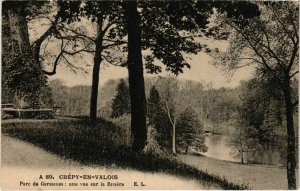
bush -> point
(104, 111)
(152, 147)
(124, 122)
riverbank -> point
(258, 177)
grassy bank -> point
(258, 177)
(103, 145)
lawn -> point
(258, 177)
(105, 145)
(17, 159)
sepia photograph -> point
(149, 95)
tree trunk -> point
(242, 157)
(16, 39)
(291, 147)
(94, 92)
(186, 149)
(136, 78)
(174, 139)
(18, 29)
(96, 71)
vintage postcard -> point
(149, 95)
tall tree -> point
(271, 43)
(121, 101)
(136, 77)
(25, 82)
(167, 36)
(260, 118)
(16, 16)
(165, 42)
(109, 21)
(21, 75)
(190, 131)
(158, 118)
(172, 105)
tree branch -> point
(264, 62)
(270, 51)
(111, 62)
(107, 27)
(56, 61)
(291, 76)
(53, 72)
(37, 44)
(110, 40)
(295, 104)
(79, 34)
(78, 51)
(113, 44)
(283, 26)
(294, 54)
(71, 66)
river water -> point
(218, 148)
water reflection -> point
(218, 148)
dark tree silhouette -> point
(158, 118)
(121, 101)
(136, 77)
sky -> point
(201, 70)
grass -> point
(104, 145)
(257, 177)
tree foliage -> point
(24, 82)
(158, 119)
(189, 16)
(72, 100)
(108, 41)
(270, 43)
(153, 105)
(190, 132)
(121, 101)
(242, 143)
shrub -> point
(104, 111)
(124, 122)
(152, 147)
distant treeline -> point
(214, 105)
(219, 109)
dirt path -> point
(255, 176)
(23, 163)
